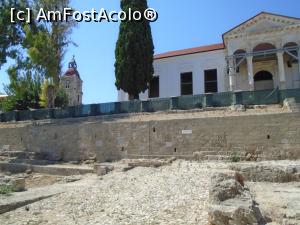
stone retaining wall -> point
(275, 136)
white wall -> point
(169, 70)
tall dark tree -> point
(134, 52)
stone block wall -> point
(275, 136)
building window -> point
(154, 88)
(186, 83)
(67, 84)
(78, 98)
(211, 81)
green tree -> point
(47, 46)
(47, 96)
(24, 88)
(62, 99)
(38, 49)
(11, 34)
(134, 52)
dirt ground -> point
(41, 180)
(174, 194)
(169, 115)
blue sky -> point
(181, 24)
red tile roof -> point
(189, 51)
(72, 72)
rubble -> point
(18, 184)
(273, 171)
(177, 192)
(231, 202)
(71, 179)
(150, 162)
(103, 169)
(172, 194)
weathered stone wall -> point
(275, 136)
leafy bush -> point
(23, 90)
(47, 94)
(62, 99)
(5, 189)
(235, 158)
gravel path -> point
(175, 194)
(172, 115)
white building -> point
(261, 53)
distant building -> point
(72, 84)
(259, 54)
(3, 96)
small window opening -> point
(186, 83)
(211, 81)
(154, 88)
(67, 84)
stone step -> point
(17, 200)
(217, 157)
(18, 154)
(295, 107)
(56, 169)
(32, 161)
(211, 155)
(12, 154)
(203, 153)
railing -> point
(264, 53)
(224, 99)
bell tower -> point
(72, 84)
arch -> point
(290, 44)
(239, 51)
(239, 59)
(288, 58)
(263, 47)
(263, 80)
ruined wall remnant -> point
(273, 136)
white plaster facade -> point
(266, 43)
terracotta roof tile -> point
(72, 72)
(189, 51)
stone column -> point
(298, 82)
(250, 72)
(281, 71)
(299, 61)
(231, 75)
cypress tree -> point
(134, 52)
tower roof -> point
(72, 70)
